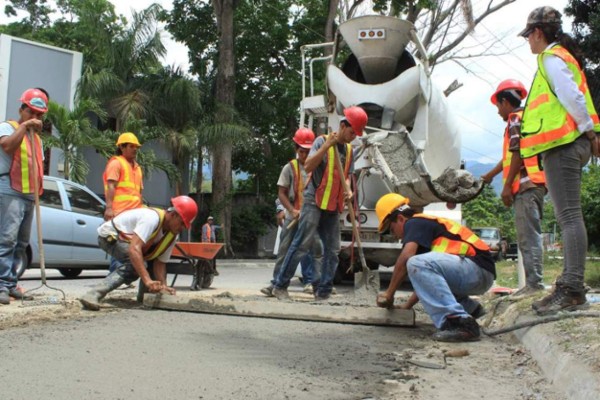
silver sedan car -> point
(71, 214)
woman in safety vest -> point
(560, 123)
(446, 263)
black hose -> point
(543, 320)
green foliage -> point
(488, 210)
(590, 203)
(248, 224)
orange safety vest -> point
(21, 173)
(297, 184)
(532, 166)
(150, 250)
(330, 192)
(546, 123)
(208, 233)
(128, 192)
(468, 244)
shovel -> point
(38, 217)
(365, 281)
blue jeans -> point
(313, 221)
(443, 282)
(119, 252)
(16, 215)
(529, 211)
(562, 166)
(309, 263)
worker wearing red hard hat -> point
(138, 235)
(21, 159)
(324, 197)
(291, 183)
(524, 184)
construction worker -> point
(138, 235)
(523, 184)
(560, 123)
(208, 231)
(446, 263)
(21, 152)
(290, 185)
(324, 198)
(123, 180)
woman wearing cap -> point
(560, 123)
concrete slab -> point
(303, 309)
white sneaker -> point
(308, 289)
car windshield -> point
(485, 233)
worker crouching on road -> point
(139, 235)
(446, 263)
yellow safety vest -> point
(546, 123)
(330, 192)
(532, 166)
(21, 167)
(297, 184)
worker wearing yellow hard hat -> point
(445, 262)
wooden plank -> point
(270, 308)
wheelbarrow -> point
(189, 258)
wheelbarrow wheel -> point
(207, 275)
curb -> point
(577, 381)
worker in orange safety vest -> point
(523, 184)
(446, 263)
(123, 181)
(20, 155)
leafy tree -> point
(488, 210)
(590, 203)
(75, 130)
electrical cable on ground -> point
(542, 320)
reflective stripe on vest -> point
(546, 123)
(297, 184)
(128, 191)
(150, 250)
(532, 166)
(21, 173)
(468, 244)
(330, 193)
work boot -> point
(4, 298)
(463, 329)
(268, 291)
(91, 300)
(18, 295)
(526, 291)
(281, 294)
(562, 299)
(308, 289)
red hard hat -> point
(304, 138)
(187, 209)
(357, 117)
(507, 86)
(35, 99)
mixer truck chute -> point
(411, 144)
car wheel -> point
(70, 272)
(23, 263)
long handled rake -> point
(38, 217)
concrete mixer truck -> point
(411, 145)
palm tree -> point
(75, 130)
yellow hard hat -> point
(386, 205)
(128, 137)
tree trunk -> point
(329, 29)
(225, 95)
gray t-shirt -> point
(286, 180)
(317, 174)
(7, 129)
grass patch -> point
(507, 272)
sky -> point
(480, 125)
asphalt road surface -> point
(134, 353)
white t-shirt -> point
(142, 222)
